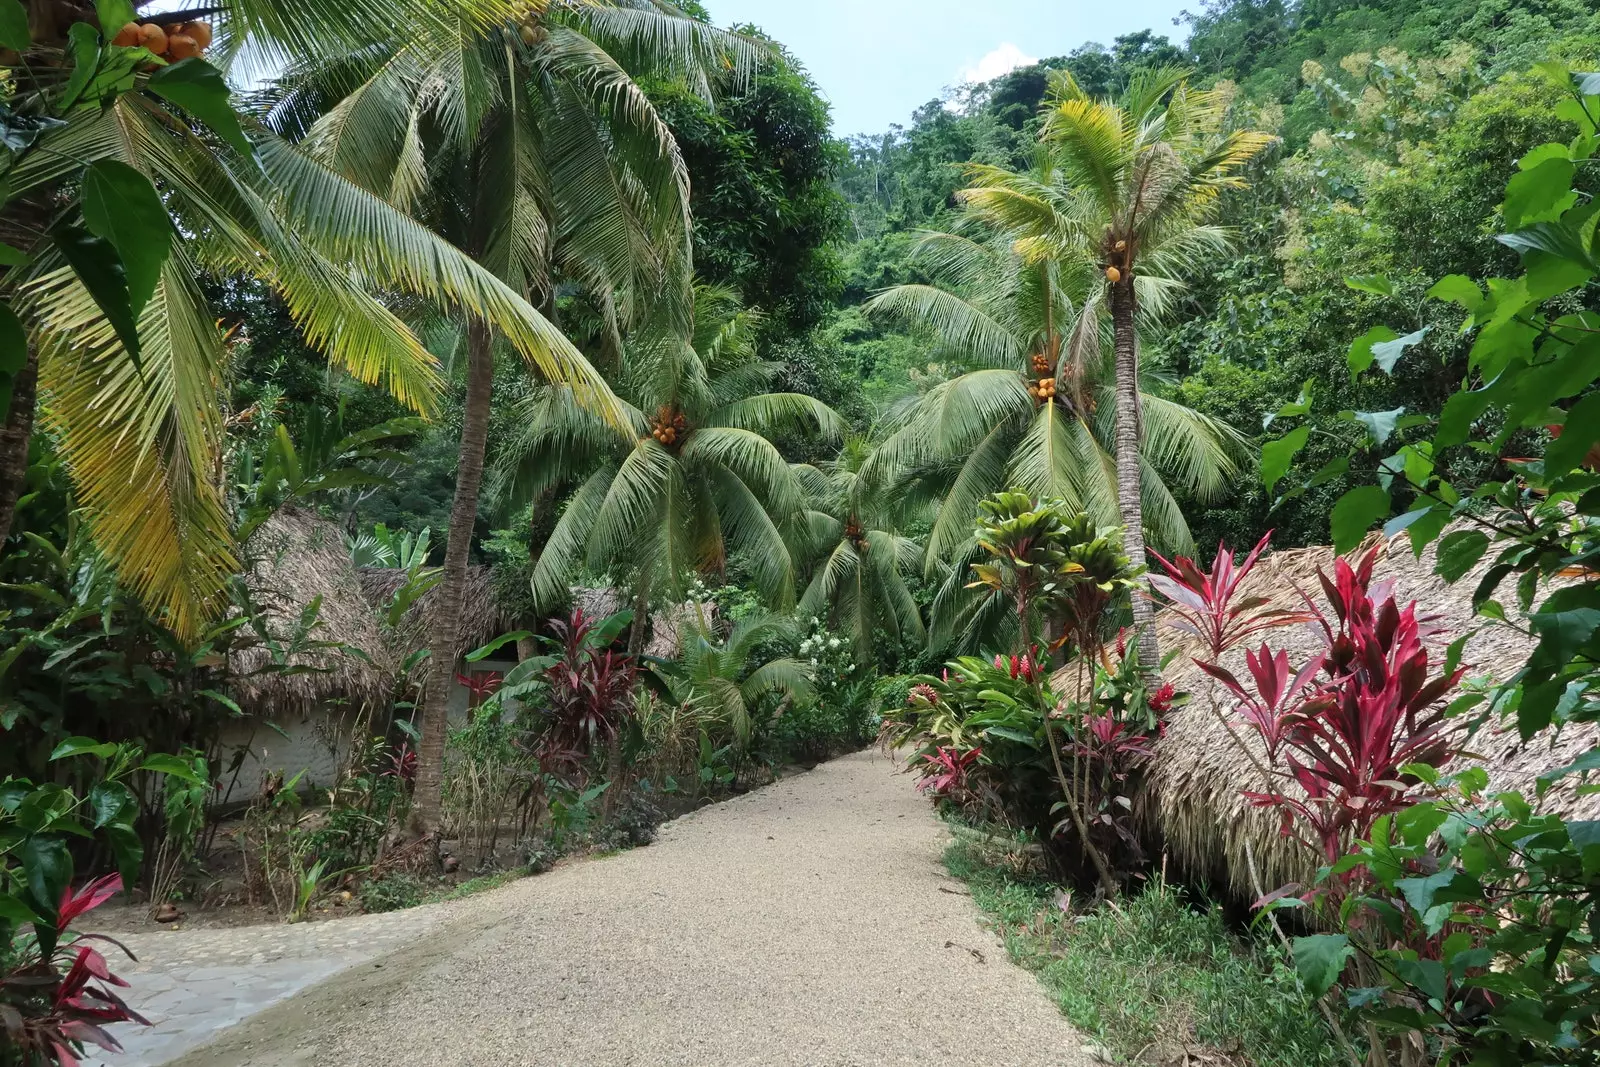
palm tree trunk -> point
(1130, 501)
(14, 438)
(444, 605)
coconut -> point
(200, 31)
(128, 36)
(182, 46)
(154, 38)
(1113, 275)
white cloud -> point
(1002, 60)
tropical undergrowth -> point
(1153, 977)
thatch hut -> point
(482, 617)
(1193, 802)
(342, 671)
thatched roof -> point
(293, 558)
(482, 618)
(1193, 801)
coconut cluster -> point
(174, 40)
(668, 425)
(1043, 390)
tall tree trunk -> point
(444, 605)
(1130, 435)
(14, 438)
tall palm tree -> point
(532, 148)
(1033, 405)
(135, 403)
(859, 582)
(693, 478)
(1148, 170)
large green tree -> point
(1032, 403)
(1145, 172)
(532, 147)
(104, 317)
(691, 479)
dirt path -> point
(808, 923)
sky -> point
(878, 60)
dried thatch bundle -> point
(1193, 798)
(482, 618)
(293, 558)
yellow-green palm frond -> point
(141, 441)
(350, 225)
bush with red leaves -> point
(58, 995)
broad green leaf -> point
(1360, 356)
(98, 267)
(14, 26)
(1380, 424)
(84, 44)
(82, 746)
(11, 257)
(128, 850)
(173, 766)
(1278, 455)
(1354, 515)
(1556, 238)
(1458, 289)
(121, 205)
(47, 871)
(1425, 975)
(1387, 353)
(1371, 283)
(1578, 435)
(1564, 624)
(1300, 405)
(483, 652)
(1540, 194)
(1459, 552)
(114, 14)
(1589, 761)
(1320, 959)
(198, 88)
(111, 802)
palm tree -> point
(134, 391)
(859, 582)
(1033, 406)
(532, 148)
(726, 680)
(1147, 171)
(692, 480)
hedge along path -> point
(811, 922)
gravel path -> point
(808, 923)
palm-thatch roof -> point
(293, 559)
(482, 617)
(1193, 798)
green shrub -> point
(1152, 973)
(392, 892)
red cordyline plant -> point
(1347, 723)
(52, 1005)
(944, 770)
(1208, 604)
(588, 689)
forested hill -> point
(1399, 120)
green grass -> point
(481, 884)
(1152, 973)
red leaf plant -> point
(589, 690)
(52, 1005)
(1208, 605)
(944, 770)
(1347, 723)
(1109, 740)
